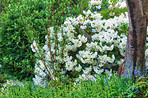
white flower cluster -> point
(96, 3)
(39, 69)
(10, 83)
(146, 51)
(42, 67)
(84, 45)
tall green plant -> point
(25, 21)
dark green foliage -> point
(3, 4)
(24, 22)
(14, 45)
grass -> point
(102, 88)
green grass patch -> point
(102, 88)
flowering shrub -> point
(81, 47)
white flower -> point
(98, 7)
(123, 4)
(34, 46)
(77, 43)
(95, 68)
(60, 38)
(75, 62)
(69, 65)
(109, 72)
(111, 47)
(112, 59)
(60, 59)
(70, 28)
(39, 81)
(94, 55)
(82, 38)
(83, 27)
(87, 21)
(101, 65)
(87, 13)
(94, 2)
(120, 62)
(74, 47)
(67, 22)
(82, 77)
(51, 29)
(45, 47)
(93, 78)
(68, 58)
(146, 52)
(97, 17)
(87, 77)
(47, 56)
(74, 21)
(41, 64)
(68, 47)
(10, 83)
(122, 52)
(147, 44)
(87, 70)
(103, 59)
(80, 18)
(78, 68)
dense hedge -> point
(25, 21)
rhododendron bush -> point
(81, 47)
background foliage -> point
(29, 17)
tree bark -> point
(135, 49)
(145, 8)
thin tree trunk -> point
(135, 50)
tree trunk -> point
(145, 8)
(135, 50)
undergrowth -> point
(104, 87)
